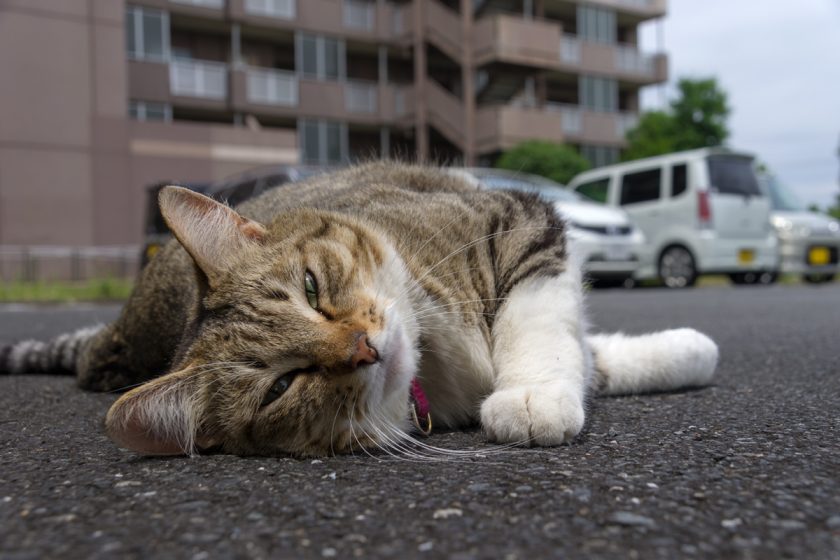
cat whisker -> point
(335, 418)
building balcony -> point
(502, 127)
(282, 9)
(543, 44)
(199, 78)
(266, 86)
(625, 62)
(279, 93)
(639, 9)
(362, 19)
(210, 4)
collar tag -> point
(420, 412)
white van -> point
(701, 211)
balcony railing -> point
(283, 9)
(359, 14)
(629, 59)
(213, 4)
(360, 97)
(570, 50)
(625, 122)
(198, 78)
(272, 87)
(571, 117)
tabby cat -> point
(314, 318)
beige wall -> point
(73, 167)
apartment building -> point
(102, 97)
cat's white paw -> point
(535, 414)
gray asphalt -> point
(747, 468)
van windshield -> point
(733, 175)
(781, 197)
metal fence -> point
(40, 263)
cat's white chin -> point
(390, 383)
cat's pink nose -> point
(364, 353)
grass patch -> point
(108, 289)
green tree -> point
(558, 162)
(655, 134)
(696, 118)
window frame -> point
(135, 19)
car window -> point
(272, 181)
(679, 179)
(595, 190)
(241, 192)
(733, 175)
(641, 186)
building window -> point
(600, 155)
(598, 94)
(147, 34)
(596, 24)
(150, 111)
(320, 58)
(323, 142)
(641, 186)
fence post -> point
(75, 265)
(28, 266)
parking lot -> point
(747, 468)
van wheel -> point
(677, 268)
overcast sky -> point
(779, 62)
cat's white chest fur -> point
(456, 370)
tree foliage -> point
(558, 162)
(696, 118)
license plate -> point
(617, 253)
(746, 256)
(819, 256)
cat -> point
(323, 316)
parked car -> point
(809, 242)
(609, 245)
(702, 212)
(233, 190)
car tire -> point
(677, 268)
(818, 278)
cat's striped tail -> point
(55, 356)
(661, 361)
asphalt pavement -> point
(747, 468)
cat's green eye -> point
(280, 386)
(311, 287)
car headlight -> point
(834, 227)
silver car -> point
(606, 241)
(809, 242)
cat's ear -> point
(160, 417)
(213, 234)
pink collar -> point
(420, 410)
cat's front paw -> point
(534, 415)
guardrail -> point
(214, 4)
(272, 87)
(629, 59)
(361, 97)
(49, 262)
(198, 78)
(359, 14)
(283, 9)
